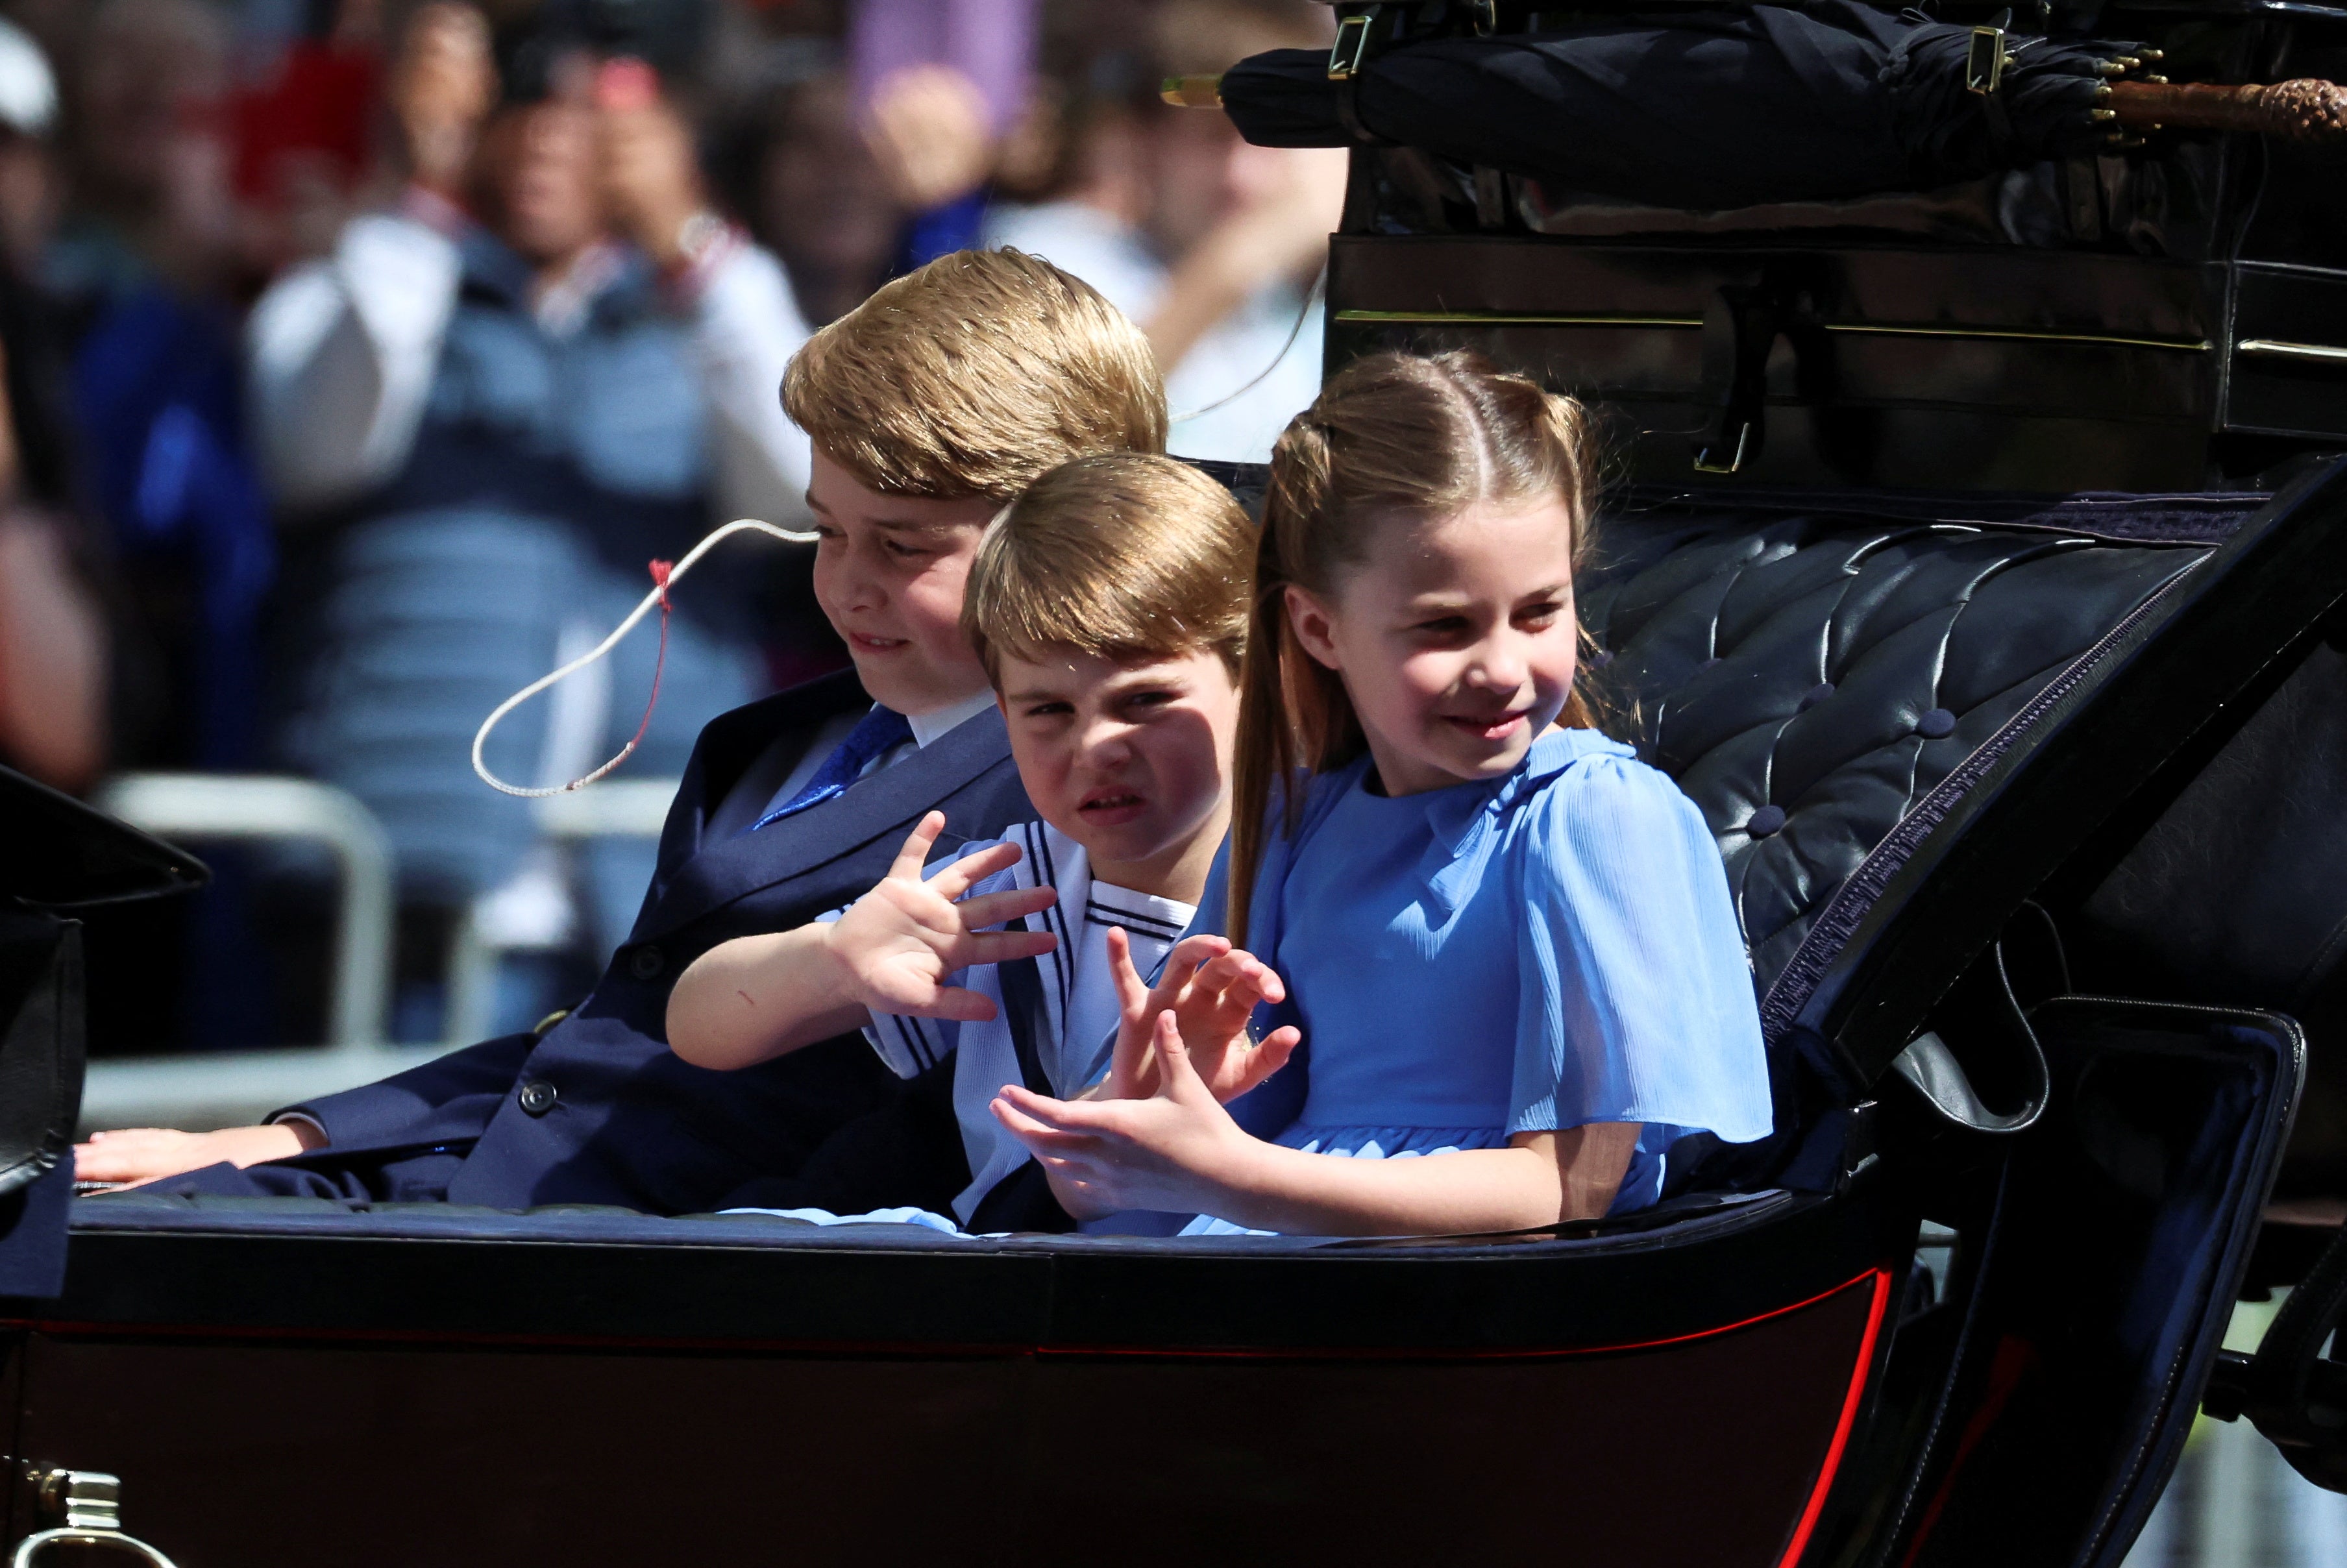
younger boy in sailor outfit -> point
(1109, 606)
(1055, 1013)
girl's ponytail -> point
(1290, 707)
(1391, 436)
(1566, 421)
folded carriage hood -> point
(1899, 714)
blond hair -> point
(974, 375)
(1125, 555)
(1391, 436)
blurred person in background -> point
(796, 167)
(303, 121)
(1212, 244)
(141, 274)
(938, 83)
(54, 654)
(483, 414)
(53, 637)
(123, 376)
(805, 181)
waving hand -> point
(1212, 990)
(897, 945)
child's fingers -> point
(1184, 962)
(1131, 990)
(1039, 1136)
(1264, 980)
(1087, 1116)
(999, 947)
(915, 852)
(971, 870)
(1177, 1078)
(1269, 1057)
(1222, 973)
(995, 908)
(1227, 991)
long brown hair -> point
(1393, 436)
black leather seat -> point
(1822, 678)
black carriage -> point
(1974, 562)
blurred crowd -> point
(360, 353)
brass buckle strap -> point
(1348, 58)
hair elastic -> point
(663, 576)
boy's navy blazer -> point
(597, 1109)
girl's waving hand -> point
(1103, 1156)
(892, 950)
(1212, 990)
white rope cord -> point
(1303, 315)
(662, 582)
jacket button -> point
(538, 1097)
(646, 963)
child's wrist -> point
(842, 979)
(1246, 1177)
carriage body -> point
(2002, 667)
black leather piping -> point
(2178, 664)
(1856, 898)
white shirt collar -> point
(929, 728)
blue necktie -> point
(876, 733)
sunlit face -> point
(1132, 761)
(888, 572)
(1454, 639)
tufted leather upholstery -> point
(1811, 676)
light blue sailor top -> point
(1079, 1008)
(1550, 948)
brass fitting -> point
(1196, 92)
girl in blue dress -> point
(1510, 945)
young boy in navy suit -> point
(930, 407)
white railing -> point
(615, 808)
(207, 806)
(205, 1090)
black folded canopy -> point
(1705, 111)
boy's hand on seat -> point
(137, 1154)
(1171, 1151)
(897, 943)
(1212, 990)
